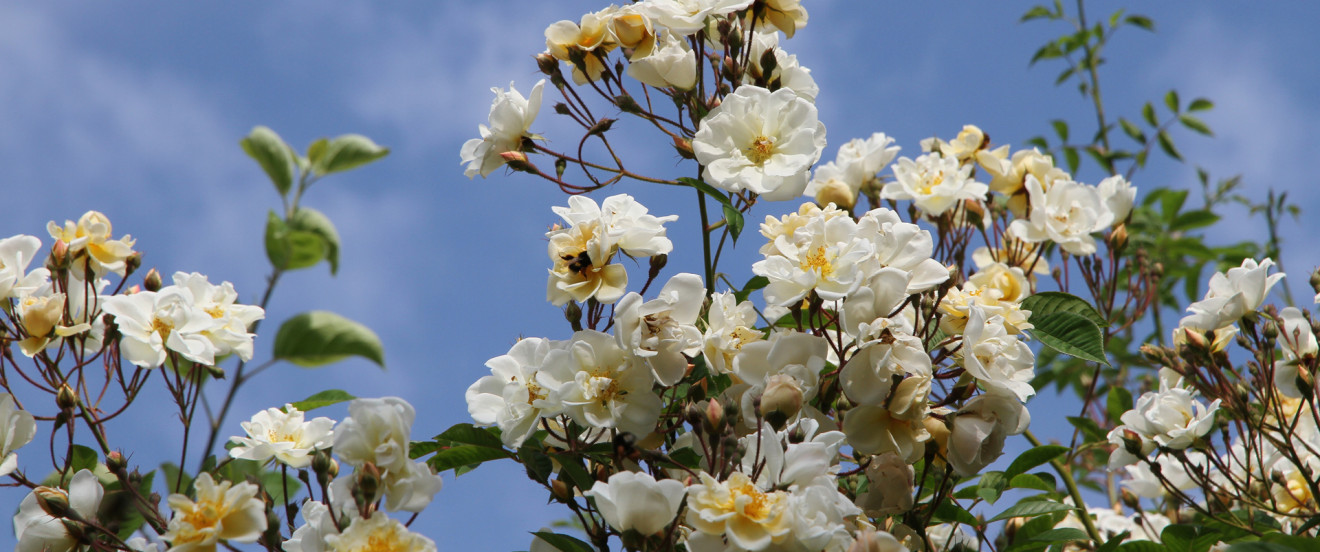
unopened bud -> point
(54, 502)
(368, 483)
(1270, 331)
(1315, 280)
(1118, 238)
(782, 400)
(131, 264)
(1132, 442)
(658, 263)
(76, 531)
(1195, 339)
(115, 462)
(66, 398)
(714, 421)
(573, 313)
(152, 281)
(693, 415)
(517, 161)
(1130, 500)
(547, 63)
(324, 466)
(627, 104)
(684, 148)
(59, 257)
(561, 491)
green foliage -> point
(273, 155)
(317, 338)
(324, 398)
(1068, 324)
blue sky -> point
(135, 109)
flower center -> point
(162, 327)
(203, 516)
(818, 261)
(216, 311)
(760, 150)
(383, 543)
(932, 183)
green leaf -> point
(1166, 144)
(1171, 101)
(1141, 21)
(578, 476)
(1132, 130)
(757, 282)
(1062, 534)
(991, 485)
(306, 219)
(1071, 334)
(1061, 129)
(272, 154)
(1195, 125)
(316, 150)
(539, 466)
(1088, 427)
(735, 221)
(1148, 113)
(324, 398)
(1031, 509)
(349, 151)
(1030, 481)
(1073, 158)
(316, 338)
(1200, 104)
(1302, 544)
(465, 455)
(1192, 220)
(564, 543)
(1258, 546)
(1050, 302)
(1034, 457)
(171, 473)
(1141, 546)
(275, 484)
(468, 434)
(1034, 13)
(948, 510)
(82, 458)
(1118, 401)
(290, 249)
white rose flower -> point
(729, 326)
(15, 254)
(636, 501)
(633, 29)
(591, 39)
(661, 331)
(869, 375)
(511, 116)
(1171, 417)
(284, 436)
(790, 74)
(871, 540)
(378, 431)
(582, 252)
(17, 427)
(511, 397)
(783, 15)
(671, 64)
(828, 258)
(980, 428)
(89, 239)
(598, 385)
(1066, 214)
(1142, 481)
(874, 430)
(38, 531)
(1232, 294)
(794, 355)
(760, 141)
(998, 360)
(1299, 344)
(378, 532)
(1118, 195)
(782, 463)
(151, 322)
(891, 485)
(224, 511)
(934, 183)
(317, 525)
(951, 537)
(686, 17)
(866, 312)
(904, 246)
(750, 518)
(230, 320)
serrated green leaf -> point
(991, 486)
(1031, 509)
(324, 398)
(1049, 302)
(735, 221)
(272, 154)
(1030, 481)
(317, 338)
(82, 458)
(465, 455)
(1142, 546)
(578, 476)
(468, 434)
(346, 152)
(1071, 334)
(539, 466)
(755, 283)
(1195, 125)
(1033, 457)
(1200, 104)
(950, 511)
(306, 219)
(564, 543)
(1062, 534)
